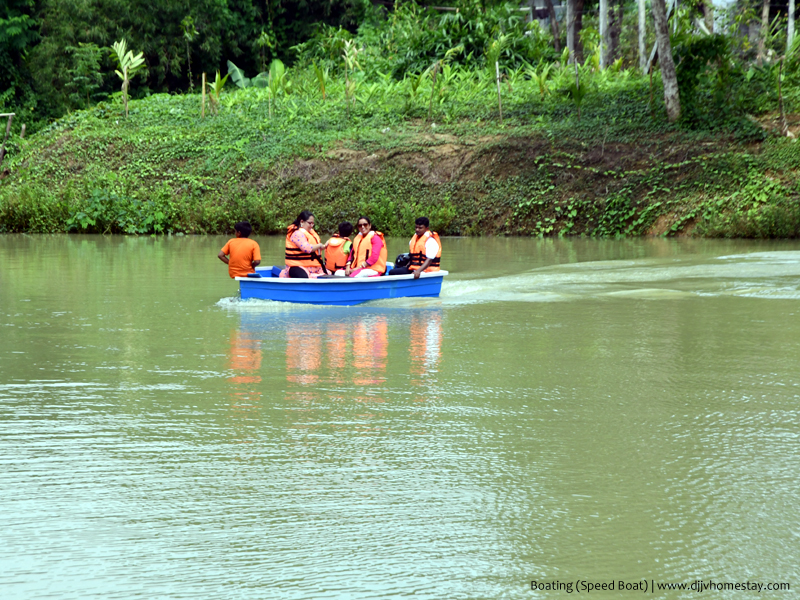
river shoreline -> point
(88, 174)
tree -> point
(18, 32)
(604, 40)
(551, 10)
(668, 76)
(189, 34)
(643, 35)
(764, 33)
(614, 31)
(708, 15)
(574, 26)
(85, 74)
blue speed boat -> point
(343, 291)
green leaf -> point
(237, 76)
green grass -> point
(619, 169)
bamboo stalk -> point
(203, 105)
(499, 99)
(8, 130)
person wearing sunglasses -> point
(302, 249)
(368, 255)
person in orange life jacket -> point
(339, 248)
(425, 248)
(241, 254)
(302, 249)
(368, 256)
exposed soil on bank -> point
(520, 183)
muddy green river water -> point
(568, 412)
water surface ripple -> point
(567, 410)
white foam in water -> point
(255, 305)
(774, 275)
(758, 275)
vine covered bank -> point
(620, 169)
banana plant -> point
(238, 76)
(214, 91)
(129, 67)
(277, 81)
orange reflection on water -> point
(425, 343)
(303, 353)
(245, 358)
(370, 350)
(338, 343)
(245, 364)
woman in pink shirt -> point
(368, 255)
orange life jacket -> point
(417, 246)
(361, 249)
(295, 257)
(335, 253)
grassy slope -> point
(620, 169)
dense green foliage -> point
(618, 169)
(41, 62)
(402, 118)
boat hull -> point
(342, 291)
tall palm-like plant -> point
(129, 67)
(214, 91)
(350, 56)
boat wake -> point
(774, 275)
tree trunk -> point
(668, 77)
(708, 15)
(762, 37)
(551, 10)
(577, 26)
(643, 36)
(614, 33)
(571, 29)
(574, 25)
(790, 28)
(604, 39)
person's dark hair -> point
(244, 228)
(303, 216)
(345, 229)
(422, 221)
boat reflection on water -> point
(426, 344)
(340, 347)
(244, 366)
(332, 371)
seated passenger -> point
(242, 255)
(302, 249)
(425, 248)
(339, 248)
(368, 256)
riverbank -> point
(615, 169)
